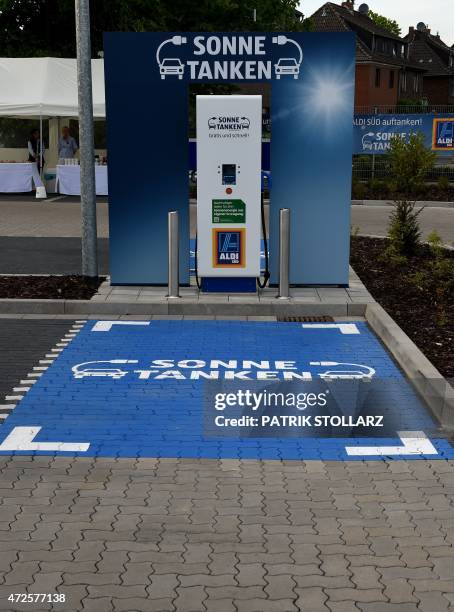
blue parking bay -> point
(138, 389)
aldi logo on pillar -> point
(229, 248)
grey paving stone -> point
(190, 598)
(388, 607)
(311, 600)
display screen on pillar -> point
(311, 75)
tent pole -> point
(86, 141)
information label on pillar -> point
(229, 211)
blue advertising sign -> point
(373, 133)
(307, 71)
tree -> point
(47, 27)
(384, 22)
(409, 164)
(410, 161)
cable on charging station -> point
(266, 275)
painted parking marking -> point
(105, 326)
(413, 443)
(21, 439)
(141, 394)
(344, 328)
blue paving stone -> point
(132, 417)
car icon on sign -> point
(102, 369)
(171, 66)
(287, 65)
(354, 371)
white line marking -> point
(13, 398)
(46, 361)
(414, 443)
(7, 406)
(55, 350)
(39, 368)
(344, 328)
(50, 356)
(27, 382)
(21, 439)
(103, 326)
(35, 374)
(21, 389)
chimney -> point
(349, 4)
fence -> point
(436, 109)
(367, 167)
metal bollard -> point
(174, 273)
(284, 253)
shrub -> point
(410, 161)
(443, 184)
(403, 229)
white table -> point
(68, 180)
(18, 178)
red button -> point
(228, 190)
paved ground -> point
(246, 536)
(30, 255)
(374, 220)
(23, 343)
(24, 216)
(39, 238)
(235, 535)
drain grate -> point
(305, 319)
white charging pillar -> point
(229, 140)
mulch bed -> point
(416, 310)
(49, 287)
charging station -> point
(229, 139)
(312, 91)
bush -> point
(410, 161)
(359, 189)
(403, 229)
(443, 184)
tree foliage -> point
(410, 161)
(384, 22)
(47, 27)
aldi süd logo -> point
(229, 248)
(443, 135)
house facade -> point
(437, 59)
(385, 73)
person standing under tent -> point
(67, 145)
(34, 149)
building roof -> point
(430, 52)
(332, 17)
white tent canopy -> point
(46, 86)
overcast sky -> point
(437, 14)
